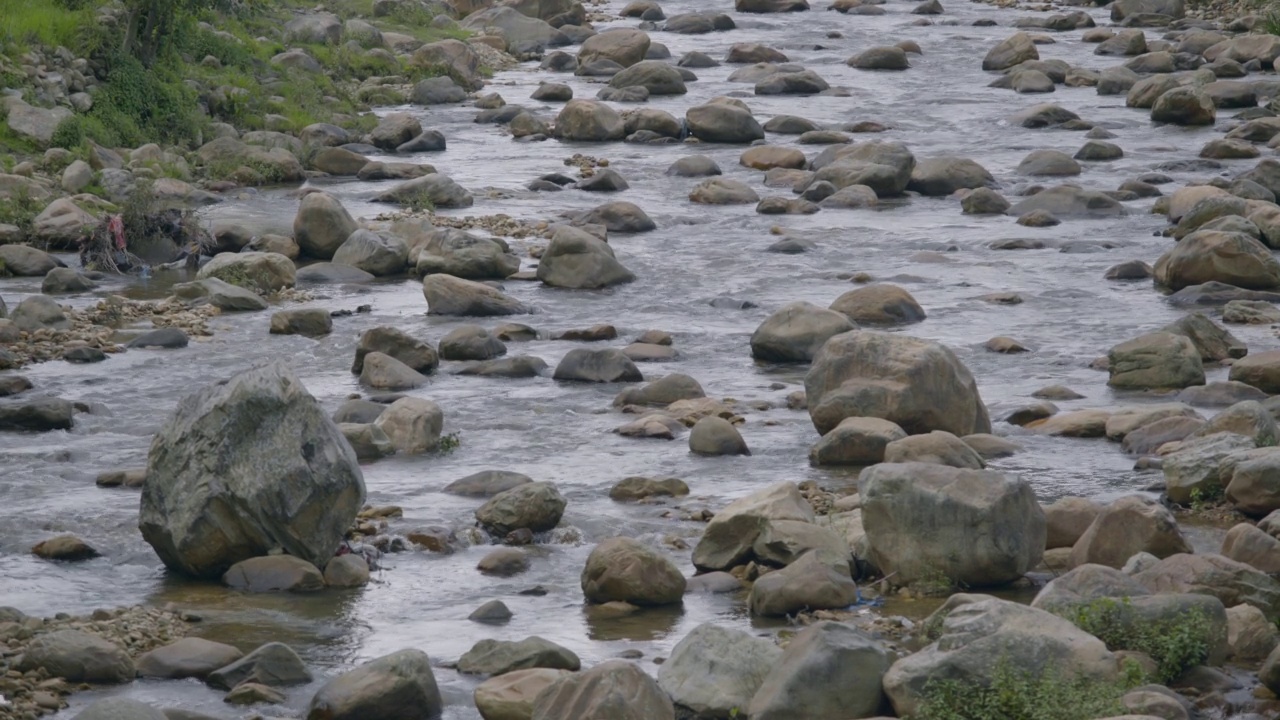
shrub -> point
(1175, 644)
(69, 134)
(1016, 694)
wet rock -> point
(325, 273)
(504, 562)
(470, 342)
(381, 688)
(624, 570)
(984, 201)
(322, 225)
(641, 488)
(536, 506)
(397, 344)
(1042, 116)
(1213, 341)
(519, 366)
(77, 657)
(937, 447)
(461, 254)
(67, 548)
(898, 500)
(663, 391)
(879, 304)
(167, 338)
(1251, 485)
(885, 167)
(576, 259)
(264, 273)
(917, 384)
(943, 176)
(1125, 527)
(1216, 256)
(311, 470)
(880, 58)
(187, 658)
(1260, 370)
(1206, 574)
(1184, 106)
(273, 664)
(612, 690)
(38, 415)
(494, 612)
(1148, 439)
(828, 670)
(796, 331)
(716, 436)
(609, 365)
(714, 671)
(623, 46)
(486, 483)
(1155, 360)
(64, 281)
(378, 255)
(383, 372)
(1012, 51)
(367, 439)
(1067, 519)
(412, 424)
(449, 295)
(1247, 544)
(274, 573)
(1250, 637)
(1048, 163)
(856, 441)
(498, 657)
(511, 696)
(310, 322)
(807, 583)
(723, 123)
(438, 190)
(220, 294)
(1130, 270)
(729, 537)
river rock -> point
(504, 562)
(589, 121)
(1260, 370)
(723, 123)
(809, 583)
(435, 190)
(470, 342)
(663, 391)
(1014, 50)
(1155, 360)
(449, 295)
(264, 420)
(576, 259)
(623, 570)
(943, 176)
(1206, 574)
(1067, 519)
(643, 488)
(274, 573)
(67, 548)
(918, 384)
(262, 272)
(936, 447)
(25, 261)
(729, 538)
(77, 657)
(885, 167)
(412, 424)
(322, 225)
(1198, 466)
(1251, 546)
(795, 332)
(612, 690)
(601, 366)
(461, 254)
(376, 254)
(959, 508)
(879, 304)
(310, 322)
(1213, 341)
(187, 658)
(511, 696)
(383, 372)
(1253, 487)
(1213, 255)
(714, 671)
(498, 657)
(397, 344)
(626, 47)
(273, 664)
(486, 483)
(37, 415)
(979, 637)
(1184, 106)
(1130, 525)
(856, 441)
(398, 686)
(885, 57)
(829, 669)
(716, 436)
(535, 506)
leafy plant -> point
(933, 583)
(1175, 644)
(1016, 694)
(20, 210)
(1207, 497)
(448, 443)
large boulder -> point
(374, 253)
(26, 261)
(1260, 370)
(510, 696)
(879, 304)
(449, 295)
(535, 506)
(1159, 360)
(412, 424)
(796, 331)
(433, 190)
(245, 467)
(612, 690)
(322, 225)
(396, 343)
(461, 254)
(917, 516)
(918, 384)
(941, 176)
(579, 260)
(1204, 574)
(656, 76)
(498, 657)
(856, 441)
(1254, 485)
(600, 366)
(1247, 544)
(883, 166)
(77, 657)
(1066, 201)
(721, 122)
(398, 686)
(274, 664)
(809, 583)
(730, 536)
(188, 657)
(828, 670)
(1218, 256)
(453, 58)
(625, 47)
(714, 671)
(979, 639)
(1013, 50)
(262, 272)
(1199, 467)
(589, 121)
(622, 570)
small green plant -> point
(933, 583)
(20, 209)
(448, 443)
(1016, 694)
(1175, 644)
(69, 134)
(418, 202)
(1204, 498)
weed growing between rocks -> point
(1175, 645)
(20, 210)
(1015, 694)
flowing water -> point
(561, 432)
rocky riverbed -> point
(736, 390)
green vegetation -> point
(448, 443)
(1015, 694)
(1208, 497)
(1175, 644)
(21, 210)
(934, 583)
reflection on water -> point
(561, 432)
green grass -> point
(52, 23)
(1175, 645)
(1015, 694)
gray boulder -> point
(449, 295)
(535, 506)
(322, 225)
(623, 570)
(601, 366)
(399, 685)
(498, 657)
(796, 331)
(612, 690)
(461, 254)
(714, 671)
(577, 259)
(828, 670)
(77, 656)
(375, 254)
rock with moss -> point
(261, 272)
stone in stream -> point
(347, 571)
(387, 687)
(449, 295)
(68, 548)
(1260, 370)
(64, 281)
(535, 506)
(612, 690)
(729, 538)
(1155, 360)
(511, 696)
(1067, 519)
(187, 658)
(470, 342)
(623, 570)
(263, 272)
(829, 669)
(885, 167)
(937, 447)
(959, 507)
(518, 366)
(918, 384)
(309, 322)
(716, 436)
(322, 225)
(77, 657)
(1247, 544)
(26, 261)
(619, 216)
(721, 122)
(358, 412)
(1014, 50)
(808, 583)
(576, 259)
(168, 338)
(504, 562)
(1126, 527)
(275, 448)
(1207, 574)
(498, 657)
(1252, 487)
(1184, 106)
(879, 304)
(435, 190)
(38, 312)
(494, 612)
(942, 176)
(984, 201)
(412, 424)
(642, 488)
(220, 294)
(273, 664)
(602, 366)
(714, 671)
(383, 372)
(589, 121)
(367, 439)
(274, 573)
(378, 255)
(880, 58)
(855, 441)
(1199, 465)
(1214, 342)
(796, 332)
(1249, 636)
(396, 343)
(663, 391)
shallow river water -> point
(561, 432)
